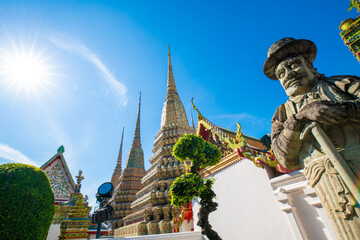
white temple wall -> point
(54, 232)
(247, 206)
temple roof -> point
(136, 155)
(250, 141)
(173, 111)
(234, 139)
(229, 141)
(59, 175)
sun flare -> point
(25, 71)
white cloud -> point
(75, 46)
(14, 155)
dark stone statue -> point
(318, 129)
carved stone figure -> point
(318, 129)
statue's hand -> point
(325, 112)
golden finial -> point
(192, 119)
(199, 116)
(239, 135)
(80, 177)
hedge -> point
(27, 204)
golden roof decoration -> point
(233, 143)
(246, 146)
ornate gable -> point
(60, 178)
(229, 141)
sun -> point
(25, 72)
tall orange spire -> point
(119, 160)
(171, 87)
(130, 179)
(136, 155)
(137, 128)
(173, 111)
(118, 168)
(165, 167)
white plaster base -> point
(302, 207)
(247, 208)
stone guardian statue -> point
(318, 129)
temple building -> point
(59, 175)
(257, 198)
(129, 181)
(151, 211)
(71, 218)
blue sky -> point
(100, 54)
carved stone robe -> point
(293, 153)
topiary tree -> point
(190, 185)
(27, 204)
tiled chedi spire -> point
(130, 179)
(153, 201)
(173, 111)
(117, 170)
(136, 155)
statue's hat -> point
(288, 47)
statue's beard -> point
(298, 85)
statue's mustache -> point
(294, 80)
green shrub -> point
(27, 204)
(185, 188)
(190, 185)
(200, 152)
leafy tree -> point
(190, 185)
(27, 204)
